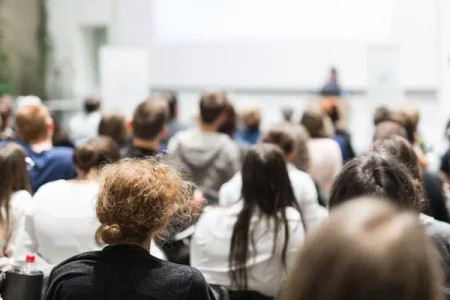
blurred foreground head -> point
(367, 250)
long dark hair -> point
(266, 191)
(376, 174)
(13, 178)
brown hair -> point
(382, 114)
(283, 136)
(32, 121)
(13, 177)
(95, 153)
(114, 125)
(302, 160)
(387, 129)
(367, 250)
(6, 108)
(251, 117)
(212, 105)
(314, 123)
(401, 149)
(150, 117)
(137, 199)
(229, 125)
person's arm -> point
(199, 289)
(27, 242)
(230, 191)
(312, 212)
(18, 208)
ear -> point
(163, 132)
(50, 125)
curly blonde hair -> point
(138, 198)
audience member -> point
(84, 125)
(175, 125)
(325, 155)
(413, 114)
(60, 135)
(114, 125)
(149, 128)
(304, 189)
(382, 175)
(432, 183)
(405, 154)
(247, 246)
(251, 132)
(15, 195)
(6, 110)
(341, 135)
(137, 199)
(61, 222)
(367, 250)
(301, 160)
(211, 158)
(35, 128)
(287, 112)
(382, 114)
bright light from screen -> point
(230, 20)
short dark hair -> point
(212, 105)
(91, 104)
(382, 114)
(95, 153)
(229, 125)
(172, 100)
(283, 136)
(150, 117)
(405, 120)
(388, 129)
(114, 125)
(376, 174)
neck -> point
(145, 244)
(92, 175)
(41, 146)
(146, 144)
(208, 127)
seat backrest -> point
(220, 292)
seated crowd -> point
(289, 212)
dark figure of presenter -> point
(332, 87)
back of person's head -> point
(301, 160)
(91, 104)
(401, 149)
(387, 129)
(251, 117)
(149, 118)
(229, 123)
(95, 153)
(34, 123)
(367, 250)
(315, 123)
(13, 177)
(404, 120)
(413, 114)
(172, 100)
(283, 136)
(114, 125)
(137, 199)
(212, 106)
(376, 174)
(266, 191)
(382, 114)
(6, 109)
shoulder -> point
(21, 199)
(439, 231)
(51, 188)
(61, 151)
(77, 264)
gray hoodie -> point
(210, 158)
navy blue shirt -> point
(50, 165)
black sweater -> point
(125, 272)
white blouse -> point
(61, 223)
(210, 248)
(18, 205)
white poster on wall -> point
(124, 77)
